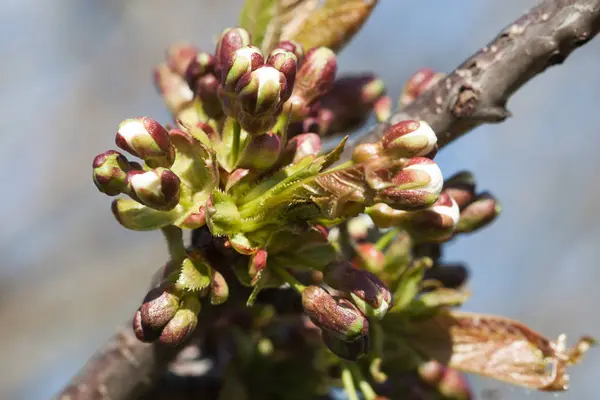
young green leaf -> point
(256, 17)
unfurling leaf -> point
(331, 25)
(496, 347)
(256, 18)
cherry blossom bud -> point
(370, 257)
(416, 186)
(383, 108)
(200, 65)
(142, 332)
(418, 83)
(260, 92)
(183, 323)
(367, 152)
(110, 172)
(368, 292)
(145, 138)
(454, 385)
(230, 40)
(286, 63)
(317, 74)
(179, 56)
(409, 139)
(159, 306)
(173, 88)
(479, 213)
(303, 145)
(219, 290)
(461, 187)
(338, 316)
(242, 61)
(261, 153)
(293, 47)
(157, 188)
(207, 90)
(351, 351)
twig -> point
(478, 90)
(475, 93)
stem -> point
(346, 246)
(348, 382)
(365, 387)
(235, 145)
(289, 278)
(385, 240)
(174, 236)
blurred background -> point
(72, 70)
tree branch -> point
(477, 91)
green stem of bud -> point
(286, 276)
(348, 382)
(386, 239)
(235, 146)
(365, 387)
(174, 237)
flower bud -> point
(173, 88)
(409, 139)
(143, 333)
(158, 188)
(183, 323)
(292, 47)
(383, 108)
(145, 138)
(317, 74)
(436, 223)
(242, 61)
(359, 227)
(219, 291)
(195, 220)
(416, 186)
(230, 40)
(369, 293)
(159, 306)
(179, 56)
(286, 63)
(371, 258)
(300, 146)
(338, 316)
(207, 90)
(110, 171)
(260, 92)
(351, 351)
(261, 153)
(419, 82)
(257, 263)
(454, 385)
(366, 152)
(431, 372)
(200, 65)
(461, 187)
(450, 276)
(479, 213)
(255, 125)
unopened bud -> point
(409, 139)
(195, 220)
(110, 172)
(207, 90)
(200, 65)
(303, 145)
(157, 188)
(261, 153)
(454, 385)
(317, 74)
(183, 323)
(383, 108)
(242, 61)
(173, 88)
(418, 83)
(219, 291)
(286, 63)
(229, 41)
(436, 223)
(145, 138)
(370, 257)
(260, 92)
(351, 351)
(179, 56)
(461, 187)
(366, 152)
(159, 306)
(450, 276)
(431, 372)
(255, 125)
(142, 332)
(479, 213)
(257, 263)
(293, 47)
(338, 316)
(416, 186)
(368, 292)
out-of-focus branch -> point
(477, 91)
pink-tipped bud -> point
(370, 257)
(479, 213)
(286, 63)
(303, 145)
(145, 138)
(416, 186)
(173, 88)
(454, 385)
(157, 188)
(219, 290)
(418, 83)
(183, 323)
(260, 92)
(110, 172)
(257, 263)
(179, 56)
(436, 223)
(229, 41)
(242, 61)
(201, 64)
(461, 187)
(409, 139)
(159, 306)
(143, 332)
(207, 90)
(317, 74)
(383, 108)
(293, 47)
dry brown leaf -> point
(498, 348)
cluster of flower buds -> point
(477, 210)
(419, 82)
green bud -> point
(285, 62)
(229, 41)
(219, 292)
(261, 153)
(157, 188)
(145, 138)
(223, 216)
(367, 152)
(348, 350)
(159, 306)
(369, 293)
(336, 315)
(253, 124)
(138, 217)
(479, 213)
(409, 139)
(183, 323)
(242, 61)
(261, 92)
(293, 47)
(110, 172)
